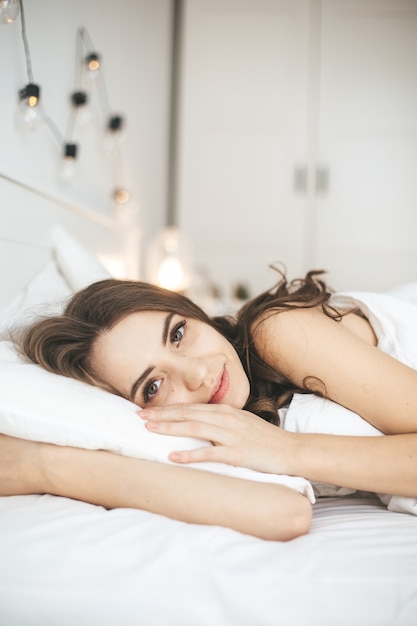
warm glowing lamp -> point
(171, 274)
(169, 260)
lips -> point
(221, 388)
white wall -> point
(133, 38)
(322, 88)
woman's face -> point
(155, 358)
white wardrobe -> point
(298, 140)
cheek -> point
(241, 389)
(245, 392)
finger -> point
(183, 412)
(180, 411)
(213, 454)
(196, 430)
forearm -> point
(264, 510)
(384, 464)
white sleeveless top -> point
(393, 319)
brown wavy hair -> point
(63, 343)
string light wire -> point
(83, 39)
(25, 42)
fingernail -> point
(152, 425)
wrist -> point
(297, 454)
(318, 457)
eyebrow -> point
(166, 327)
(149, 369)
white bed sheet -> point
(64, 563)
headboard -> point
(27, 216)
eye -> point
(151, 389)
(178, 332)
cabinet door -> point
(366, 228)
(243, 134)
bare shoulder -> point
(306, 342)
(301, 324)
(282, 337)
(307, 345)
(287, 326)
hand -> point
(239, 438)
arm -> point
(382, 464)
(267, 511)
(306, 344)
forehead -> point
(138, 323)
(134, 326)
(135, 336)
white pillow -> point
(70, 268)
(308, 413)
(40, 406)
(79, 266)
(44, 294)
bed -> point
(67, 562)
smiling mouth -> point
(222, 388)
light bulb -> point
(9, 10)
(121, 196)
(29, 114)
(92, 62)
(123, 207)
(169, 260)
(112, 139)
(69, 170)
(79, 100)
(171, 274)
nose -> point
(194, 373)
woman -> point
(223, 380)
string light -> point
(79, 98)
(92, 62)
(69, 171)
(30, 93)
(112, 139)
(121, 196)
(115, 124)
(9, 10)
(88, 63)
(81, 111)
(30, 114)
